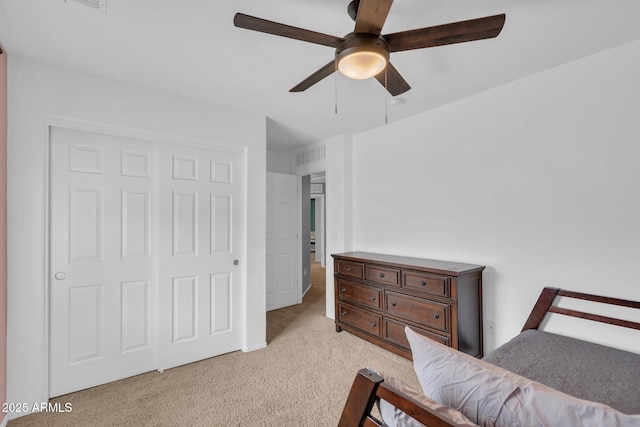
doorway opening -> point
(314, 254)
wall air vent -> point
(310, 156)
(95, 4)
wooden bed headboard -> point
(547, 297)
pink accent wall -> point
(3, 226)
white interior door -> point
(283, 287)
(201, 251)
(102, 283)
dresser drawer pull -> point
(344, 313)
(435, 316)
(373, 298)
(373, 324)
(393, 304)
(423, 283)
(381, 275)
(343, 290)
(349, 268)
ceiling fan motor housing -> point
(363, 41)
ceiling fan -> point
(364, 53)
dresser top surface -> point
(448, 267)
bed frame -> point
(368, 386)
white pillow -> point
(394, 417)
(492, 396)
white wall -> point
(37, 91)
(279, 162)
(339, 206)
(537, 180)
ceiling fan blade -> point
(439, 35)
(371, 16)
(394, 83)
(262, 25)
(314, 78)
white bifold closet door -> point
(143, 239)
(201, 204)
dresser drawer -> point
(394, 332)
(428, 313)
(361, 319)
(349, 268)
(384, 275)
(365, 295)
(432, 284)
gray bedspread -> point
(579, 368)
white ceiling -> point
(191, 48)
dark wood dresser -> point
(377, 295)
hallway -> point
(318, 279)
(312, 301)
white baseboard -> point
(255, 347)
(308, 289)
(5, 421)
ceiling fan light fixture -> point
(362, 65)
(362, 56)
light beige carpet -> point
(301, 378)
